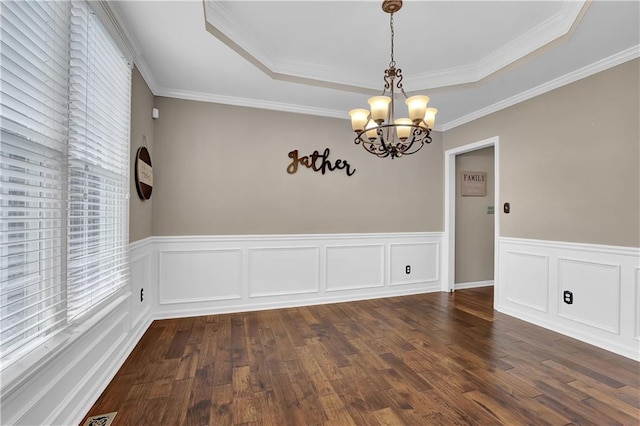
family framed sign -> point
(473, 184)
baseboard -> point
(104, 372)
(473, 284)
(624, 350)
(192, 311)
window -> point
(64, 174)
(98, 168)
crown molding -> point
(252, 103)
(110, 16)
(112, 11)
(602, 65)
(147, 75)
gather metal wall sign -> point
(318, 163)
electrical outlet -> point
(568, 297)
(141, 294)
(407, 269)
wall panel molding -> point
(283, 271)
(140, 280)
(412, 255)
(601, 282)
(354, 267)
(528, 279)
(602, 279)
(199, 274)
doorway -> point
(474, 222)
(449, 253)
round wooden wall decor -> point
(144, 173)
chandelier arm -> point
(399, 83)
(380, 132)
(417, 143)
(382, 154)
(417, 147)
(407, 147)
(374, 149)
(388, 81)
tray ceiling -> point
(326, 57)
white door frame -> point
(449, 252)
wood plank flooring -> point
(441, 359)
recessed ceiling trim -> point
(602, 65)
(221, 22)
(301, 70)
(529, 45)
(218, 16)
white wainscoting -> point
(62, 386)
(604, 280)
(202, 275)
(637, 303)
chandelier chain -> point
(393, 62)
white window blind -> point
(64, 174)
(98, 226)
(33, 117)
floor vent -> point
(100, 420)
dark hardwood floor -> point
(442, 359)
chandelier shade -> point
(377, 129)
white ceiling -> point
(327, 57)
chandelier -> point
(379, 132)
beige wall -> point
(141, 124)
(221, 169)
(474, 227)
(569, 160)
(569, 164)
